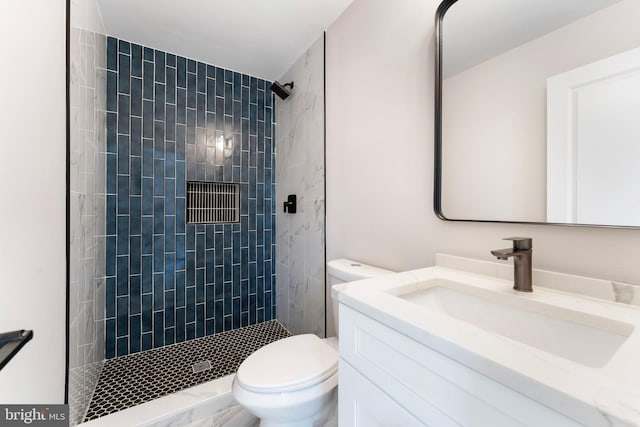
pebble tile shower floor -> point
(131, 380)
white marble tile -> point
(87, 211)
(300, 171)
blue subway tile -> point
(112, 91)
(147, 119)
(211, 97)
(219, 320)
(110, 255)
(123, 155)
(147, 313)
(158, 329)
(170, 130)
(110, 338)
(180, 325)
(191, 90)
(135, 295)
(110, 297)
(158, 253)
(171, 60)
(170, 163)
(135, 336)
(160, 66)
(159, 101)
(124, 47)
(122, 315)
(181, 72)
(180, 215)
(147, 274)
(200, 285)
(122, 275)
(136, 97)
(123, 194)
(170, 336)
(124, 74)
(123, 113)
(147, 341)
(210, 326)
(171, 85)
(135, 255)
(158, 139)
(158, 291)
(200, 325)
(219, 77)
(219, 280)
(202, 77)
(180, 287)
(201, 110)
(191, 268)
(236, 313)
(147, 78)
(158, 179)
(169, 309)
(112, 54)
(170, 233)
(148, 54)
(237, 86)
(136, 60)
(123, 346)
(181, 106)
(191, 331)
(135, 139)
(191, 305)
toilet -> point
(293, 382)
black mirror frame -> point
(437, 177)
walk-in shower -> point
(181, 262)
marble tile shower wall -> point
(87, 204)
(169, 120)
(300, 260)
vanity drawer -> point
(435, 388)
(363, 404)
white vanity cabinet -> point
(389, 379)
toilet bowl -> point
(293, 382)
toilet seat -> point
(289, 364)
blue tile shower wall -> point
(171, 119)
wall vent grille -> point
(212, 202)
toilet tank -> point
(346, 270)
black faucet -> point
(521, 253)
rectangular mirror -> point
(538, 111)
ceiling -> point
(477, 30)
(256, 37)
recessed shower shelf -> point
(11, 343)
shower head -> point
(281, 89)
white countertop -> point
(607, 396)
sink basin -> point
(577, 336)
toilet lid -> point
(288, 364)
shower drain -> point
(202, 366)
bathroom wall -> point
(300, 237)
(32, 184)
(522, 97)
(87, 203)
(171, 119)
(380, 158)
